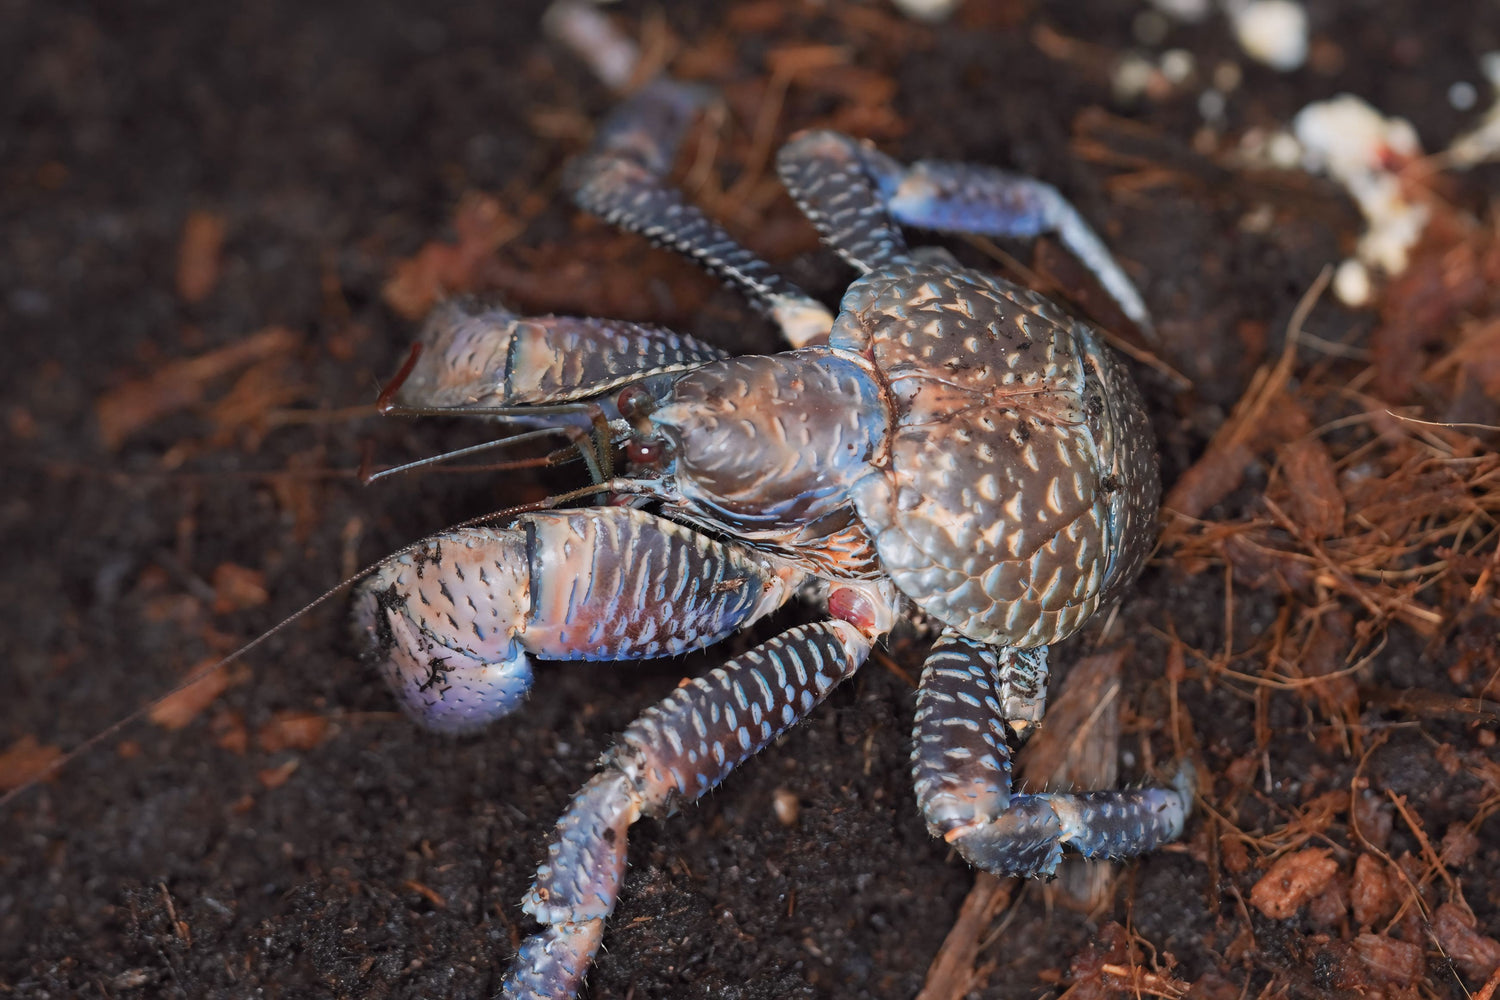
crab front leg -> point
(621, 178)
(476, 356)
(455, 620)
(676, 751)
(961, 767)
(821, 169)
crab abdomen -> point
(1019, 487)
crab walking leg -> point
(476, 355)
(677, 750)
(962, 772)
(455, 620)
(953, 198)
(620, 179)
(826, 176)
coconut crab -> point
(949, 444)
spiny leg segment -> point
(675, 752)
(622, 180)
(825, 172)
(856, 195)
(961, 768)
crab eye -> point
(635, 402)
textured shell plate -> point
(1021, 476)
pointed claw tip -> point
(386, 401)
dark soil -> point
(297, 837)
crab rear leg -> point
(621, 179)
(820, 167)
(677, 750)
(456, 619)
(962, 772)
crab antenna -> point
(593, 445)
(473, 449)
(504, 412)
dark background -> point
(297, 837)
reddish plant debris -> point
(1079, 747)
(1460, 843)
(1372, 819)
(1211, 986)
(199, 255)
(20, 422)
(1233, 853)
(1451, 271)
(1312, 486)
(954, 972)
(1115, 966)
(1329, 908)
(599, 271)
(1086, 971)
(180, 385)
(428, 893)
(24, 761)
(272, 778)
(291, 730)
(230, 732)
(1388, 960)
(255, 404)
(1293, 880)
(182, 706)
(237, 588)
(1478, 955)
(1371, 894)
(1473, 363)
(481, 225)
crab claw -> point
(442, 618)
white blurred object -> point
(1273, 32)
(1184, 10)
(1352, 285)
(1284, 151)
(1132, 77)
(1462, 96)
(1347, 138)
(594, 39)
(927, 10)
(1483, 141)
(1363, 150)
(1177, 65)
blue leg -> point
(962, 772)
(932, 194)
(676, 751)
(622, 179)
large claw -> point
(442, 621)
(454, 620)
